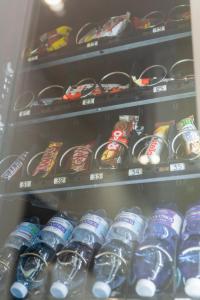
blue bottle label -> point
(26, 230)
(59, 226)
(168, 218)
(94, 224)
(191, 224)
(129, 221)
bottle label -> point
(59, 226)
(129, 221)
(94, 224)
(168, 218)
(191, 224)
(26, 230)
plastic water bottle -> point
(70, 271)
(153, 264)
(20, 239)
(189, 252)
(111, 262)
(33, 263)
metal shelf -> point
(105, 51)
(89, 111)
(98, 182)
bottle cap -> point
(101, 290)
(145, 288)
(192, 287)
(59, 290)
(18, 290)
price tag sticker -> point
(60, 180)
(24, 113)
(92, 44)
(88, 101)
(25, 184)
(159, 29)
(135, 172)
(96, 176)
(33, 58)
(159, 89)
(177, 167)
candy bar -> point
(153, 153)
(48, 159)
(80, 158)
(113, 154)
(190, 136)
(14, 167)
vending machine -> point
(100, 150)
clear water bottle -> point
(189, 252)
(33, 263)
(111, 262)
(20, 239)
(153, 263)
(70, 271)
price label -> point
(25, 184)
(182, 299)
(92, 44)
(60, 180)
(25, 113)
(177, 167)
(89, 101)
(96, 176)
(159, 29)
(135, 172)
(33, 58)
(160, 88)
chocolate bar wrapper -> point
(80, 158)
(156, 145)
(113, 154)
(14, 167)
(191, 136)
(48, 159)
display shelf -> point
(102, 49)
(101, 178)
(154, 95)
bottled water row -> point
(142, 254)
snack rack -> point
(33, 127)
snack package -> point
(113, 27)
(74, 93)
(51, 41)
(191, 136)
(113, 154)
(79, 159)
(14, 167)
(48, 159)
(142, 23)
(153, 153)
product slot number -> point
(135, 172)
(92, 44)
(159, 29)
(60, 180)
(24, 113)
(25, 184)
(159, 89)
(33, 58)
(88, 101)
(177, 167)
(96, 176)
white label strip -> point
(135, 172)
(24, 113)
(92, 44)
(159, 29)
(25, 184)
(177, 167)
(60, 180)
(88, 101)
(96, 176)
(160, 88)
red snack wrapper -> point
(119, 139)
(48, 159)
(80, 158)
